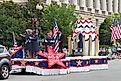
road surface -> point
(112, 74)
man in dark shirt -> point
(49, 40)
(80, 43)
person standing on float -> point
(80, 42)
(49, 40)
(34, 43)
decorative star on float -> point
(36, 63)
(79, 63)
(67, 63)
(96, 61)
(87, 62)
(23, 62)
(52, 57)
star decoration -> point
(105, 61)
(87, 62)
(79, 63)
(36, 63)
(52, 57)
(96, 61)
(67, 63)
(23, 62)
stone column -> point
(48, 2)
(110, 6)
(90, 6)
(103, 5)
(97, 42)
(93, 48)
(84, 46)
(90, 46)
(120, 6)
(76, 4)
(65, 1)
(97, 4)
(115, 6)
(90, 3)
(83, 4)
(69, 45)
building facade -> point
(99, 9)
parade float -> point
(52, 63)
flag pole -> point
(114, 43)
(14, 40)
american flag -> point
(56, 36)
(116, 30)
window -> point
(1, 49)
(43, 1)
(81, 8)
(103, 12)
(89, 9)
(109, 13)
(96, 11)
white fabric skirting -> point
(41, 71)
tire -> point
(4, 74)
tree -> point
(11, 20)
(64, 16)
(17, 18)
(105, 32)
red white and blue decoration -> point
(53, 57)
(87, 28)
(17, 52)
(54, 63)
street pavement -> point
(112, 74)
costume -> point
(49, 40)
(34, 42)
(80, 43)
(28, 44)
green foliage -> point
(64, 16)
(17, 18)
(105, 32)
(11, 20)
(104, 46)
